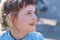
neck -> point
(17, 34)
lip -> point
(33, 24)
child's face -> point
(27, 19)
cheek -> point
(23, 22)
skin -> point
(24, 23)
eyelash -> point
(35, 12)
(30, 13)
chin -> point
(33, 30)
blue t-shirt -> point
(31, 36)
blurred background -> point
(48, 13)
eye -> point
(28, 13)
(35, 12)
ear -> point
(9, 18)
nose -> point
(34, 17)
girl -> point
(19, 16)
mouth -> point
(33, 24)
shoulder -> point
(3, 34)
(37, 36)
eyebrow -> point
(30, 11)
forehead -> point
(29, 7)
